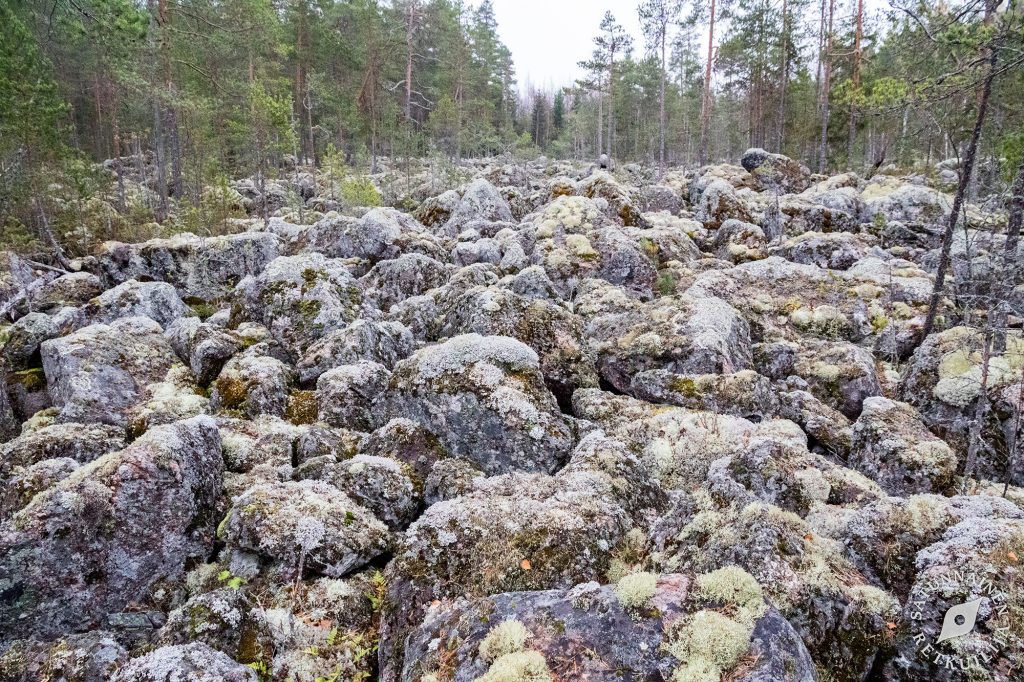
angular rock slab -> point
(101, 538)
(99, 373)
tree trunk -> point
(851, 139)
(611, 106)
(118, 164)
(177, 185)
(600, 118)
(826, 90)
(961, 191)
(1009, 269)
(161, 161)
(705, 109)
(785, 77)
(410, 29)
(661, 102)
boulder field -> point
(547, 422)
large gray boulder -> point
(158, 301)
(80, 442)
(380, 234)
(203, 347)
(195, 662)
(480, 201)
(484, 398)
(392, 281)
(89, 657)
(101, 539)
(305, 528)
(516, 532)
(655, 626)
(554, 333)
(98, 373)
(775, 171)
(346, 394)
(300, 299)
(202, 267)
(893, 447)
(364, 340)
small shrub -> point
(358, 191)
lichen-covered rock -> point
(72, 289)
(555, 334)
(382, 485)
(221, 619)
(676, 444)
(158, 301)
(890, 199)
(775, 171)
(943, 382)
(976, 567)
(168, 401)
(435, 211)
(97, 374)
(8, 420)
(841, 375)
(513, 532)
(739, 241)
(828, 428)
(480, 201)
(718, 203)
(485, 400)
(405, 440)
(448, 479)
(89, 657)
(253, 385)
(384, 343)
(835, 250)
(841, 619)
(681, 334)
(207, 268)
(195, 662)
(787, 301)
(20, 349)
(744, 394)
(306, 527)
(300, 299)
(203, 347)
(112, 532)
(594, 633)
(265, 442)
(894, 448)
(884, 536)
(26, 482)
(346, 394)
(392, 281)
(80, 442)
(621, 203)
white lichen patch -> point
(505, 638)
(634, 590)
(522, 666)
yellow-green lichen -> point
(507, 637)
(634, 590)
(521, 666)
(734, 586)
(708, 641)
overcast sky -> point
(548, 37)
